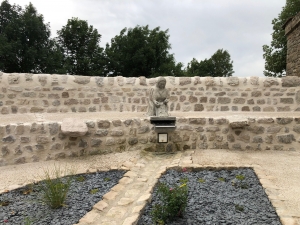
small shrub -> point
(240, 177)
(183, 180)
(80, 178)
(239, 208)
(106, 179)
(94, 191)
(54, 188)
(173, 203)
(201, 180)
(4, 203)
(221, 179)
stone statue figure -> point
(158, 99)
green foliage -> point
(275, 54)
(221, 179)
(106, 179)
(54, 188)
(28, 221)
(141, 51)
(219, 65)
(240, 177)
(239, 208)
(94, 191)
(183, 180)
(174, 201)
(80, 178)
(79, 43)
(24, 39)
(201, 180)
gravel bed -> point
(79, 201)
(218, 197)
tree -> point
(141, 51)
(79, 43)
(219, 65)
(24, 39)
(275, 54)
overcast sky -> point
(197, 28)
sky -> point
(197, 28)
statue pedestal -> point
(163, 124)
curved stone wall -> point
(30, 142)
(42, 93)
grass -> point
(94, 191)
(54, 188)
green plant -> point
(54, 188)
(80, 178)
(173, 203)
(94, 191)
(106, 179)
(4, 203)
(240, 177)
(221, 179)
(239, 208)
(201, 180)
(28, 221)
(183, 180)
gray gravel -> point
(217, 201)
(79, 201)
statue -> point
(158, 99)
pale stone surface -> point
(89, 217)
(116, 212)
(125, 201)
(73, 127)
(110, 195)
(118, 187)
(100, 205)
(125, 180)
(132, 193)
(131, 220)
(130, 174)
(146, 197)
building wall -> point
(292, 31)
(31, 93)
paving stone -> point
(128, 164)
(146, 197)
(125, 180)
(140, 165)
(108, 222)
(116, 212)
(125, 201)
(138, 209)
(288, 221)
(132, 193)
(110, 195)
(138, 185)
(131, 220)
(100, 205)
(89, 217)
(142, 179)
(130, 174)
(118, 187)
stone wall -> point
(32, 93)
(21, 143)
(292, 32)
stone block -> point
(224, 100)
(73, 127)
(286, 138)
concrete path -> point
(278, 171)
